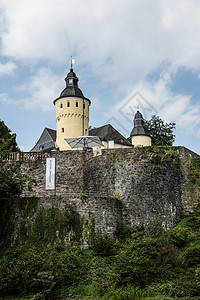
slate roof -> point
(72, 89)
(109, 133)
(46, 142)
(139, 128)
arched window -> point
(76, 103)
(61, 105)
(68, 103)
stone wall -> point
(148, 190)
(132, 186)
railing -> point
(25, 155)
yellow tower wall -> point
(140, 140)
(70, 120)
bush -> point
(169, 253)
(139, 262)
(181, 236)
(103, 245)
(191, 256)
(25, 270)
(122, 231)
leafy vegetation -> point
(193, 182)
(12, 180)
(145, 264)
(161, 133)
(150, 264)
(7, 140)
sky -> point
(129, 55)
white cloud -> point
(4, 98)
(121, 43)
(7, 68)
(42, 89)
(158, 98)
(131, 38)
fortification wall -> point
(132, 186)
(148, 189)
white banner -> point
(50, 173)
(111, 145)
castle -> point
(126, 184)
(72, 119)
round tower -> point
(139, 135)
(72, 112)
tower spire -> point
(72, 62)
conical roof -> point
(139, 128)
(72, 89)
(71, 86)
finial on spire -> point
(72, 62)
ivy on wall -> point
(22, 222)
(50, 226)
(193, 184)
(6, 220)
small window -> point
(62, 129)
(68, 103)
(61, 105)
(84, 105)
(76, 103)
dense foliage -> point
(161, 133)
(11, 179)
(144, 265)
(150, 264)
(7, 139)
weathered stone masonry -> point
(126, 185)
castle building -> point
(72, 112)
(139, 135)
(72, 119)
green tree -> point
(7, 139)
(161, 133)
(11, 178)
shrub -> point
(181, 236)
(191, 256)
(122, 231)
(169, 253)
(139, 262)
(103, 245)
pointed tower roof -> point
(72, 89)
(139, 128)
(71, 86)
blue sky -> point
(128, 53)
